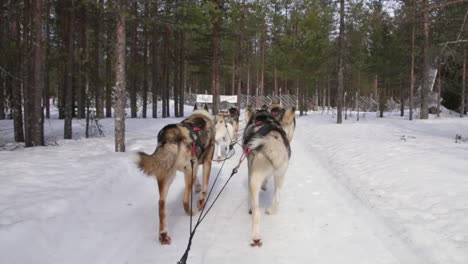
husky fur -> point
(174, 153)
(268, 140)
(288, 122)
(224, 132)
(249, 111)
(235, 113)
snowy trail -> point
(80, 202)
(315, 224)
(114, 220)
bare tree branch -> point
(453, 42)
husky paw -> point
(188, 211)
(164, 238)
(270, 211)
(201, 204)
(256, 243)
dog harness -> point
(265, 123)
(196, 148)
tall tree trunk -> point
(165, 81)
(98, 87)
(119, 95)
(48, 67)
(357, 104)
(242, 52)
(381, 98)
(402, 99)
(425, 89)
(339, 117)
(439, 76)
(233, 76)
(3, 31)
(154, 68)
(82, 70)
(411, 91)
(145, 64)
(35, 137)
(176, 76)
(14, 65)
(133, 58)
(328, 93)
(215, 20)
(26, 72)
(182, 77)
(262, 74)
(257, 79)
(109, 75)
(248, 85)
(463, 88)
(69, 73)
(301, 97)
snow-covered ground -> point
(374, 191)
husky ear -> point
(289, 116)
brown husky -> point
(266, 142)
(179, 145)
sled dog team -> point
(186, 145)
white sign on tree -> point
(228, 98)
(208, 98)
(204, 98)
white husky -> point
(224, 132)
(266, 141)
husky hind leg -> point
(206, 177)
(256, 178)
(163, 186)
(189, 179)
(279, 180)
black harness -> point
(265, 123)
(197, 147)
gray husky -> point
(266, 142)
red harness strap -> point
(245, 154)
(193, 149)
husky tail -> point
(162, 161)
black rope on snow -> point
(203, 214)
(191, 195)
(231, 147)
(201, 217)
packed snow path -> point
(80, 202)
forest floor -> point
(374, 191)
